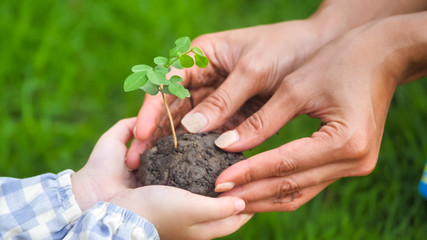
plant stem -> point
(177, 58)
(175, 141)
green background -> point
(62, 66)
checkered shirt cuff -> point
(40, 207)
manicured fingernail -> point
(239, 205)
(223, 187)
(194, 122)
(227, 138)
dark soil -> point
(193, 166)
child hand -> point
(176, 213)
(179, 214)
(105, 173)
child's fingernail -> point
(194, 122)
(246, 217)
(223, 187)
(239, 205)
(227, 138)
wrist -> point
(335, 17)
(128, 197)
(84, 191)
(412, 45)
(394, 48)
(407, 58)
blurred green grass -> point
(62, 66)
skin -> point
(352, 104)
(176, 214)
(330, 66)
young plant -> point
(153, 80)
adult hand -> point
(247, 63)
(348, 85)
(179, 214)
(176, 214)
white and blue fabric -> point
(44, 207)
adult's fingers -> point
(286, 203)
(221, 227)
(331, 143)
(218, 107)
(133, 155)
(149, 116)
(282, 186)
(279, 109)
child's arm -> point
(76, 205)
(109, 221)
(44, 207)
(37, 208)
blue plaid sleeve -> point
(44, 207)
(109, 221)
(41, 207)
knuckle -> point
(219, 101)
(366, 168)
(356, 147)
(261, 79)
(201, 40)
(256, 122)
(247, 64)
(288, 202)
(292, 84)
(286, 165)
(285, 186)
(249, 174)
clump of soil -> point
(193, 166)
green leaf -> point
(201, 61)
(198, 51)
(162, 69)
(175, 79)
(150, 88)
(186, 61)
(165, 90)
(172, 59)
(141, 68)
(183, 44)
(173, 52)
(157, 77)
(160, 60)
(177, 65)
(178, 90)
(135, 81)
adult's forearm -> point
(338, 16)
(408, 34)
(396, 45)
